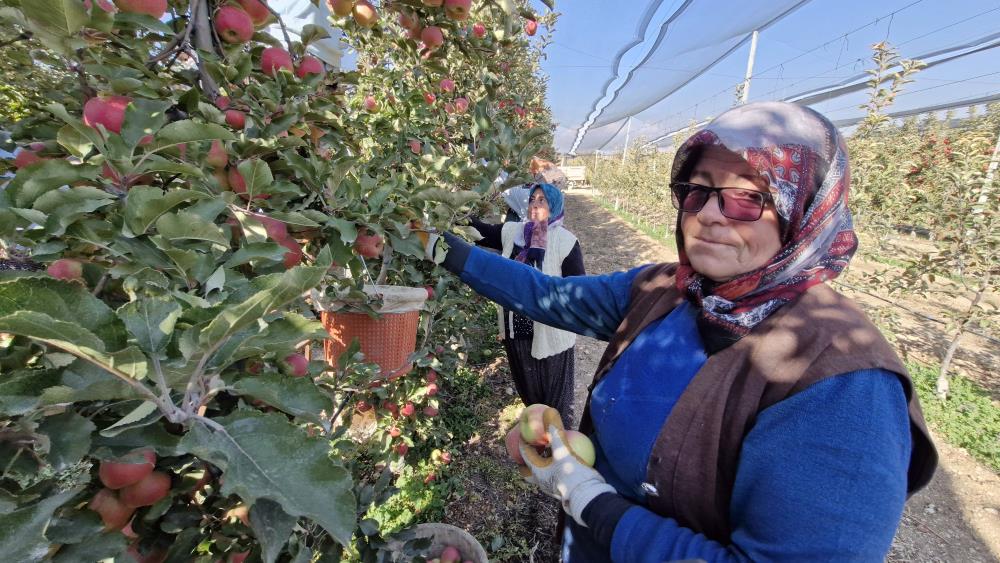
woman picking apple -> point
(743, 409)
(540, 357)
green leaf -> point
(76, 340)
(144, 204)
(149, 22)
(253, 251)
(277, 290)
(271, 526)
(259, 453)
(64, 301)
(57, 17)
(190, 131)
(65, 207)
(22, 532)
(20, 392)
(454, 199)
(186, 225)
(150, 436)
(32, 182)
(69, 438)
(257, 176)
(75, 142)
(97, 547)
(143, 415)
(347, 229)
(143, 117)
(297, 396)
(75, 527)
(150, 320)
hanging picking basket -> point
(388, 340)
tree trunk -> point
(942, 380)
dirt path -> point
(956, 518)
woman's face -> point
(538, 206)
(718, 247)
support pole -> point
(746, 81)
(628, 129)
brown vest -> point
(693, 464)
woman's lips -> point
(710, 241)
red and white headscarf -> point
(804, 160)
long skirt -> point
(548, 381)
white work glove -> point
(432, 250)
(564, 476)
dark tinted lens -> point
(742, 205)
(689, 197)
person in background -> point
(743, 409)
(546, 172)
(540, 357)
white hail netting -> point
(815, 55)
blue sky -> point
(808, 48)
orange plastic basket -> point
(387, 341)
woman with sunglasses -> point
(743, 409)
(540, 357)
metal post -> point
(628, 129)
(746, 81)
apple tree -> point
(174, 208)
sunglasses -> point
(734, 203)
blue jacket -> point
(822, 475)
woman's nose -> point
(710, 212)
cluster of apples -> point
(130, 482)
(531, 429)
(450, 554)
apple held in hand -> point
(534, 421)
(233, 25)
(581, 445)
(513, 442)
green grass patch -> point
(658, 233)
(969, 418)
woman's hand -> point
(564, 476)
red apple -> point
(128, 470)
(461, 105)
(432, 376)
(532, 425)
(394, 431)
(274, 58)
(369, 245)
(530, 27)
(114, 513)
(429, 478)
(236, 119)
(581, 445)
(513, 441)
(365, 14)
(239, 185)
(430, 411)
(233, 24)
(371, 104)
(295, 365)
(309, 65)
(363, 406)
(414, 146)
(257, 10)
(432, 36)
(154, 8)
(108, 111)
(451, 554)
(408, 409)
(401, 449)
(446, 457)
(429, 98)
(26, 157)
(294, 255)
(341, 7)
(449, 107)
(447, 84)
(146, 492)
(520, 111)
(217, 155)
(457, 10)
(222, 102)
(238, 557)
(408, 20)
(479, 30)
(430, 292)
(66, 269)
(432, 389)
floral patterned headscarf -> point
(803, 158)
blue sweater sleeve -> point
(589, 305)
(822, 477)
